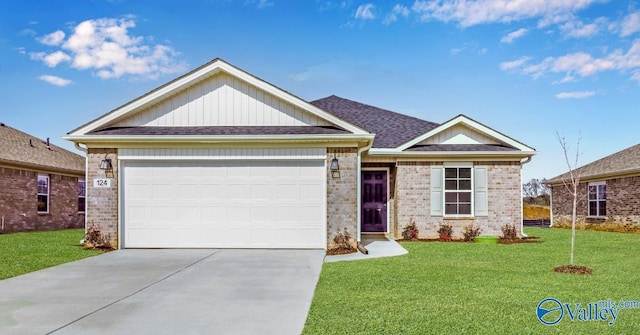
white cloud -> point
(105, 46)
(55, 80)
(365, 12)
(512, 65)
(512, 36)
(577, 29)
(575, 95)
(630, 24)
(52, 59)
(582, 64)
(55, 38)
(468, 12)
(398, 10)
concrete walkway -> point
(376, 248)
(182, 292)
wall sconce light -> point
(334, 167)
(105, 164)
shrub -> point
(445, 232)
(410, 231)
(95, 239)
(509, 232)
(342, 244)
(470, 232)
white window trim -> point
(595, 183)
(48, 194)
(85, 194)
(471, 191)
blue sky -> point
(528, 69)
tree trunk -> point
(573, 221)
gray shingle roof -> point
(221, 130)
(461, 147)
(22, 149)
(392, 129)
(620, 163)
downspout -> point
(521, 195)
(358, 187)
(550, 206)
(86, 183)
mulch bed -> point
(574, 269)
(340, 251)
(528, 239)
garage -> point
(230, 203)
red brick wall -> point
(623, 202)
(18, 201)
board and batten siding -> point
(222, 154)
(459, 135)
(223, 101)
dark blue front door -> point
(374, 202)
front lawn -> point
(464, 288)
(26, 252)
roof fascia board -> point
(196, 75)
(463, 119)
(40, 168)
(598, 177)
(452, 154)
(253, 140)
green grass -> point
(26, 252)
(465, 288)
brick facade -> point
(413, 199)
(18, 201)
(623, 202)
(102, 203)
(341, 194)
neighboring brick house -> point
(609, 191)
(220, 158)
(41, 185)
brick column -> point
(102, 203)
(341, 194)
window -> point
(597, 199)
(457, 191)
(43, 194)
(82, 191)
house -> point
(609, 191)
(220, 158)
(42, 185)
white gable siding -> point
(223, 101)
(459, 134)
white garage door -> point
(224, 204)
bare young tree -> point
(571, 183)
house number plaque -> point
(102, 182)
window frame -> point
(82, 194)
(41, 194)
(598, 199)
(470, 191)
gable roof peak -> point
(391, 128)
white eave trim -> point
(197, 75)
(462, 119)
(217, 138)
(469, 154)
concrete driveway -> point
(201, 291)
